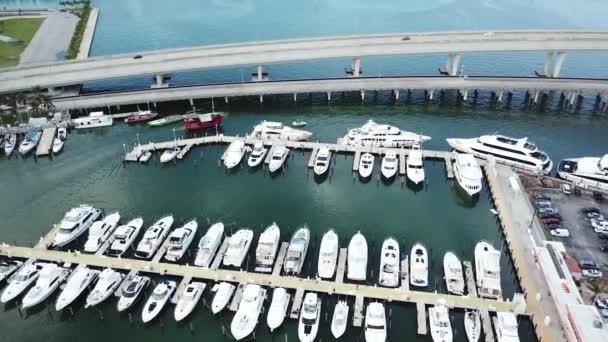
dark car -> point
(541, 197)
(590, 210)
(543, 204)
(550, 220)
(550, 215)
(554, 226)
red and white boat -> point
(140, 116)
(194, 122)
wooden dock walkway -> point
(313, 156)
(356, 161)
(341, 265)
(358, 311)
(220, 254)
(278, 265)
(297, 303)
(449, 167)
(421, 318)
(180, 289)
(470, 279)
(182, 153)
(238, 295)
(46, 141)
(405, 274)
(486, 322)
(402, 159)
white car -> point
(592, 273)
(560, 232)
(600, 227)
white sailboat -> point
(246, 318)
(19, 282)
(238, 247)
(487, 270)
(180, 239)
(454, 277)
(357, 258)
(366, 165)
(472, 325)
(268, 246)
(160, 296)
(309, 318)
(278, 158)
(390, 164)
(51, 276)
(234, 154)
(208, 245)
(108, 282)
(256, 157)
(296, 252)
(187, 302)
(322, 161)
(389, 263)
(124, 236)
(328, 255)
(414, 165)
(278, 308)
(131, 292)
(439, 322)
(78, 281)
(339, 319)
(419, 266)
(100, 232)
(375, 323)
(223, 293)
(154, 237)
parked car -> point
(604, 247)
(550, 215)
(560, 232)
(601, 303)
(550, 220)
(566, 189)
(591, 210)
(554, 226)
(543, 204)
(594, 215)
(547, 210)
(539, 196)
(597, 223)
(590, 269)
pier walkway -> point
(46, 141)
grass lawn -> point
(22, 29)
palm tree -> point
(596, 287)
(46, 104)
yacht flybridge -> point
(328, 255)
(296, 252)
(357, 258)
(180, 239)
(468, 173)
(276, 130)
(419, 266)
(389, 263)
(246, 318)
(310, 316)
(75, 223)
(100, 232)
(511, 151)
(124, 236)
(366, 165)
(382, 135)
(208, 245)
(256, 157)
(439, 322)
(487, 270)
(268, 246)
(154, 237)
(238, 247)
(583, 171)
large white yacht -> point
(296, 252)
(180, 239)
(246, 318)
(208, 245)
(51, 276)
(234, 154)
(505, 324)
(439, 322)
(75, 222)
(278, 308)
(390, 164)
(585, 171)
(154, 237)
(357, 258)
(154, 305)
(25, 277)
(375, 323)
(30, 141)
(419, 266)
(131, 292)
(238, 247)
(309, 317)
(383, 135)
(108, 282)
(100, 232)
(276, 130)
(322, 160)
(78, 281)
(454, 277)
(414, 165)
(256, 157)
(468, 173)
(511, 151)
(94, 119)
(366, 165)
(268, 246)
(8, 267)
(278, 158)
(487, 270)
(328, 255)
(187, 302)
(389, 263)
(124, 236)
(339, 320)
(223, 293)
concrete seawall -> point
(89, 33)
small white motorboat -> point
(78, 281)
(234, 153)
(389, 263)
(8, 267)
(186, 304)
(390, 164)
(145, 156)
(30, 142)
(57, 145)
(278, 308)
(296, 252)
(279, 155)
(238, 246)
(179, 241)
(339, 320)
(375, 323)
(298, 123)
(223, 293)
(454, 277)
(366, 165)
(268, 246)
(322, 161)
(131, 292)
(208, 245)
(10, 141)
(124, 236)
(328, 255)
(154, 305)
(357, 258)
(246, 317)
(415, 166)
(100, 232)
(472, 325)
(310, 316)
(439, 322)
(256, 157)
(169, 154)
(62, 133)
(108, 282)
(419, 267)
(20, 281)
(51, 276)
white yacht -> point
(154, 305)
(234, 153)
(57, 145)
(472, 325)
(223, 293)
(511, 151)
(154, 237)
(8, 267)
(256, 157)
(383, 135)
(169, 154)
(62, 133)
(95, 119)
(487, 270)
(208, 245)
(454, 277)
(357, 258)
(328, 255)
(583, 171)
(375, 323)
(366, 165)
(108, 282)
(246, 318)
(78, 281)
(296, 252)
(238, 246)
(390, 164)
(339, 319)
(414, 165)
(100, 232)
(468, 173)
(131, 292)
(180, 239)
(505, 324)
(75, 223)
(278, 308)
(322, 161)
(279, 155)
(419, 266)
(145, 156)
(10, 142)
(51, 276)
(310, 316)
(439, 322)
(389, 263)
(30, 141)
(268, 246)
(187, 302)
(20, 281)
(124, 236)
(276, 130)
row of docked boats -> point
(10, 142)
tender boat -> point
(472, 325)
(439, 322)
(276, 130)
(414, 166)
(487, 270)
(268, 246)
(180, 239)
(10, 141)
(382, 135)
(145, 156)
(278, 308)
(585, 171)
(389, 263)
(140, 116)
(339, 320)
(234, 153)
(246, 317)
(100, 232)
(166, 120)
(298, 123)
(62, 133)
(505, 324)
(322, 160)
(390, 164)
(208, 245)
(195, 122)
(57, 145)
(30, 142)
(108, 282)
(154, 305)
(131, 292)
(186, 304)
(20, 281)
(309, 318)
(279, 155)
(296, 252)
(366, 165)
(238, 246)
(454, 277)
(51, 276)
(419, 266)
(124, 236)
(375, 323)
(8, 267)
(154, 237)
(223, 293)
(75, 223)
(357, 258)
(256, 157)
(328, 255)
(511, 151)
(78, 281)
(468, 173)
(169, 154)
(93, 120)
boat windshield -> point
(4, 268)
(373, 326)
(322, 158)
(277, 157)
(22, 277)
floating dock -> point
(180, 289)
(220, 254)
(46, 141)
(405, 274)
(358, 312)
(341, 265)
(238, 295)
(278, 265)
(313, 156)
(421, 318)
(297, 303)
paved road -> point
(51, 40)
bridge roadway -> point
(295, 50)
(363, 84)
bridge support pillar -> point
(295, 97)
(431, 94)
(396, 93)
(259, 75)
(329, 96)
(160, 81)
(452, 66)
(226, 99)
(535, 98)
(191, 102)
(465, 94)
(362, 95)
(499, 97)
(548, 62)
(559, 61)
(355, 67)
(261, 98)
